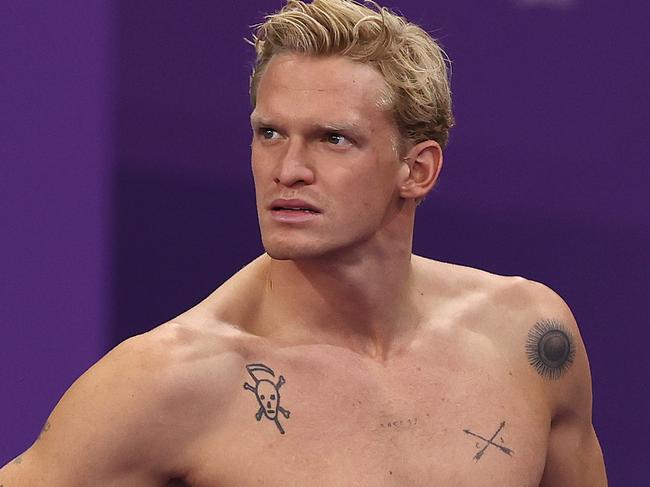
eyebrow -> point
(339, 126)
(258, 120)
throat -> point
(367, 308)
(177, 482)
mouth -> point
(295, 210)
(293, 206)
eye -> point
(338, 139)
(268, 133)
(262, 397)
(272, 397)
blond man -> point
(338, 358)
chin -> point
(291, 252)
(310, 251)
(283, 249)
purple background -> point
(125, 193)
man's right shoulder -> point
(175, 358)
(135, 413)
(160, 372)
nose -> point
(294, 168)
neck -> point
(361, 299)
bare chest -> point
(330, 419)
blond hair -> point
(413, 65)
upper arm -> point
(573, 457)
(102, 430)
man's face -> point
(322, 141)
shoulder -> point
(460, 284)
(235, 302)
(175, 360)
(145, 385)
(525, 322)
(516, 299)
(151, 378)
(135, 413)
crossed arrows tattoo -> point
(489, 443)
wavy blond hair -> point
(413, 65)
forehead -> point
(333, 88)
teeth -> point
(280, 208)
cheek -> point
(258, 164)
(261, 173)
(363, 192)
(375, 190)
(256, 167)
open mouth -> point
(293, 210)
(304, 210)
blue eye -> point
(337, 139)
(268, 133)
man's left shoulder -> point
(541, 329)
(527, 297)
(512, 312)
(515, 299)
(532, 328)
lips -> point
(293, 205)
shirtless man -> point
(338, 358)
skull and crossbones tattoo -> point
(267, 393)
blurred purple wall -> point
(56, 79)
(146, 108)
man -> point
(338, 358)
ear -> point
(424, 162)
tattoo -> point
(490, 442)
(402, 423)
(267, 393)
(45, 429)
(550, 348)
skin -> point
(396, 369)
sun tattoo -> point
(550, 348)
